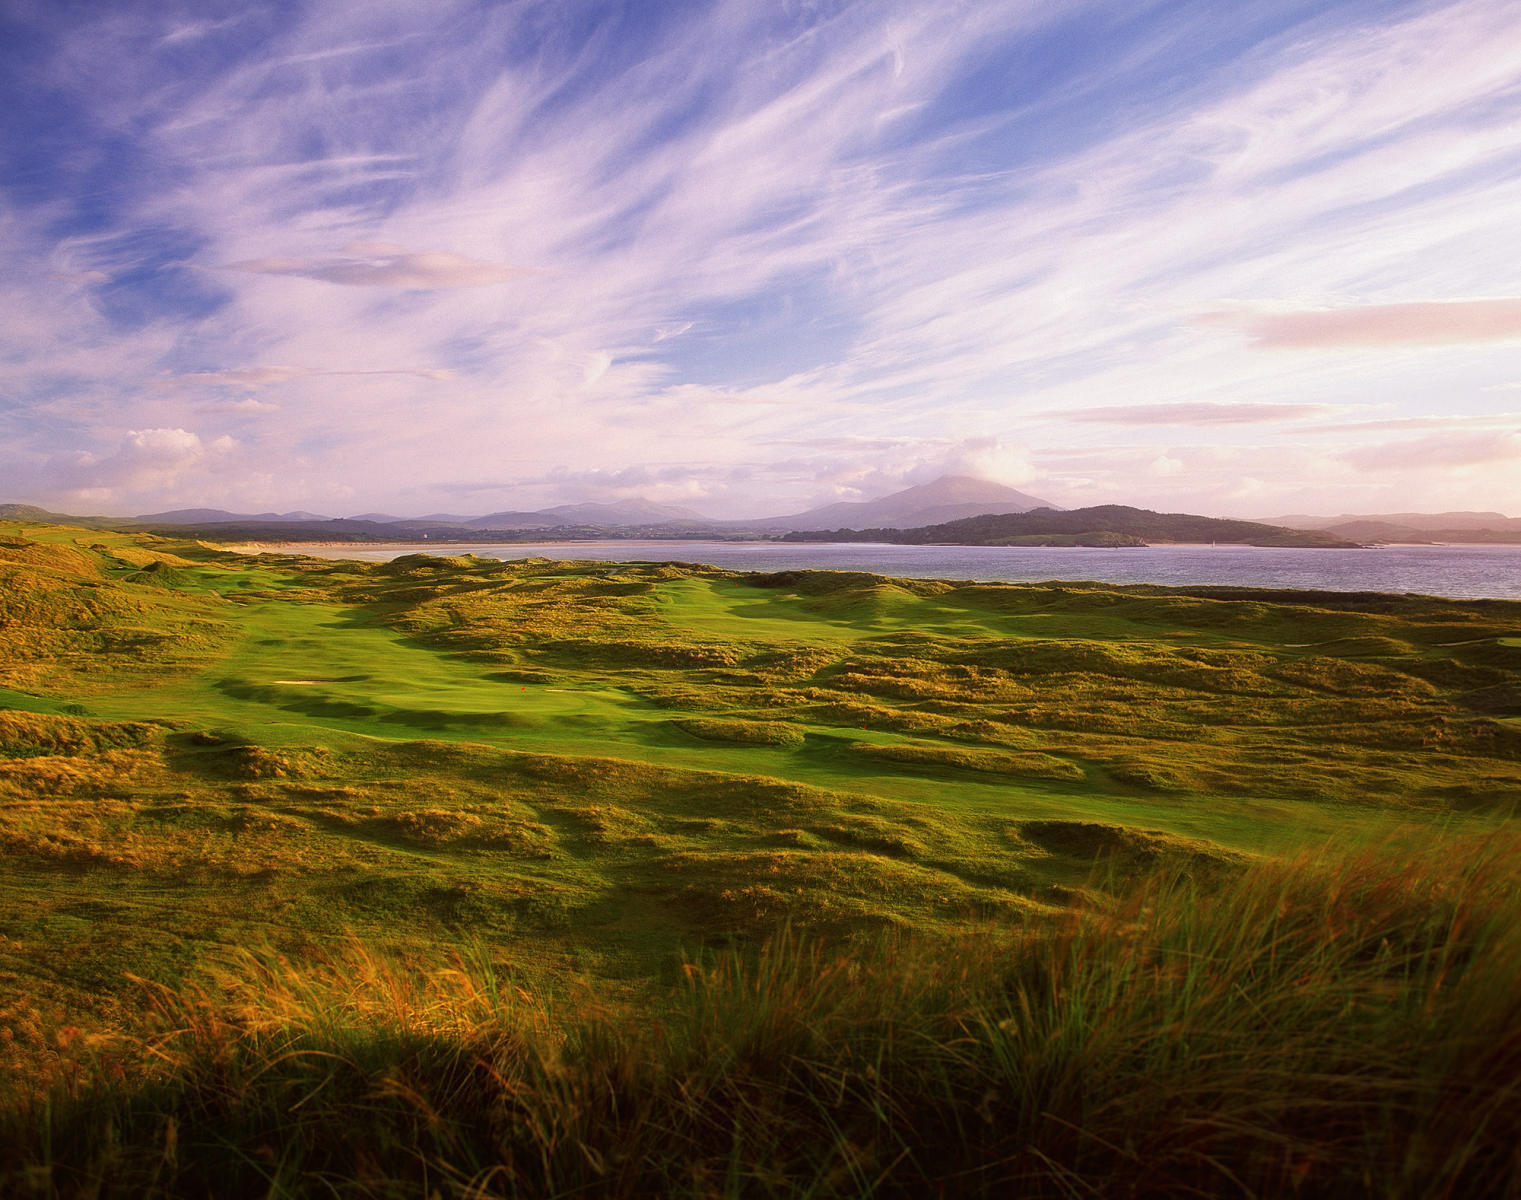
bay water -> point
(1462, 571)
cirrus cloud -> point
(379, 264)
(1204, 413)
(253, 378)
(814, 251)
(1435, 322)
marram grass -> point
(1339, 1025)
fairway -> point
(311, 670)
(306, 666)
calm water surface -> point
(1465, 571)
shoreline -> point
(294, 547)
(1476, 571)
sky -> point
(749, 256)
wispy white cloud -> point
(1455, 422)
(382, 265)
(1427, 323)
(1194, 414)
(193, 31)
(1441, 450)
(253, 378)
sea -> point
(1460, 571)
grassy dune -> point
(1321, 1027)
(674, 825)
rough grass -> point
(1039, 766)
(747, 733)
(1333, 1026)
(573, 772)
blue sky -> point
(1242, 259)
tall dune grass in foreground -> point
(1342, 1025)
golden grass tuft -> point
(1340, 1025)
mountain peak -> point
(948, 498)
(633, 511)
(212, 516)
(960, 489)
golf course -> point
(450, 876)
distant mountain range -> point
(945, 499)
(1413, 527)
(953, 508)
(209, 516)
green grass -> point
(590, 771)
(318, 666)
